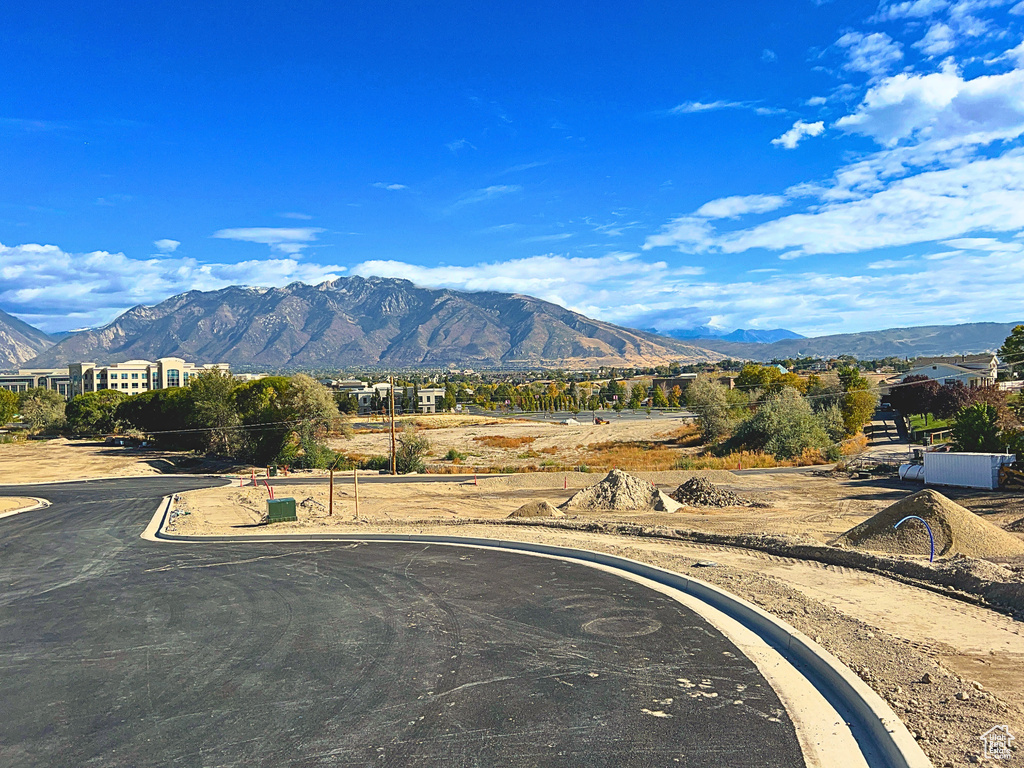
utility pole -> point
(394, 457)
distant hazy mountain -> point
(19, 341)
(373, 321)
(923, 340)
(753, 336)
(760, 337)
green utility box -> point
(272, 470)
(281, 510)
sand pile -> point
(538, 509)
(957, 530)
(698, 492)
(621, 492)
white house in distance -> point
(135, 376)
(972, 370)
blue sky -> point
(820, 166)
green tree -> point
(261, 406)
(637, 395)
(348, 403)
(450, 397)
(214, 411)
(310, 408)
(42, 409)
(784, 425)
(859, 403)
(832, 420)
(754, 376)
(8, 406)
(976, 429)
(708, 398)
(410, 451)
(658, 399)
(94, 413)
(1012, 351)
(166, 414)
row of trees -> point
(274, 419)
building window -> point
(135, 375)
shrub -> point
(410, 452)
(455, 455)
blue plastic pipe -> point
(931, 539)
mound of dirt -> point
(538, 509)
(957, 531)
(621, 492)
(1017, 526)
(698, 492)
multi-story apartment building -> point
(135, 376)
(56, 379)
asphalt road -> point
(117, 651)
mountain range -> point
(916, 341)
(740, 334)
(367, 322)
(19, 341)
(358, 322)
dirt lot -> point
(520, 444)
(38, 461)
(893, 634)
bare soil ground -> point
(39, 461)
(523, 443)
(895, 635)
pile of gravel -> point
(538, 509)
(621, 492)
(698, 492)
(957, 530)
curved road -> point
(117, 651)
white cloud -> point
(938, 40)
(737, 205)
(455, 146)
(768, 55)
(281, 239)
(166, 245)
(1018, 9)
(487, 193)
(623, 288)
(385, 185)
(941, 106)
(874, 54)
(691, 107)
(798, 132)
(62, 290)
(910, 10)
(816, 101)
(294, 215)
(981, 195)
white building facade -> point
(971, 370)
(135, 376)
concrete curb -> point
(890, 736)
(39, 504)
